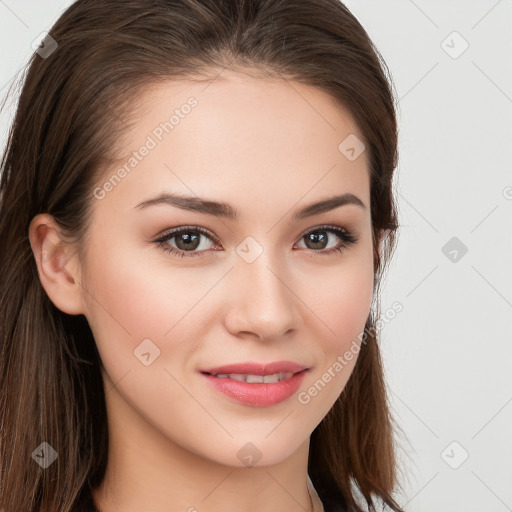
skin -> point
(267, 147)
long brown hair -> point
(74, 105)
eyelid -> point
(179, 229)
(212, 235)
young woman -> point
(196, 212)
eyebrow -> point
(221, 209)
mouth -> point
(257, 384)
(257, 369)
(254, 379)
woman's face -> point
(260, 285)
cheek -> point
(121, 297)
(130, 301)
(125, 292)
(342, 303)
(347, 312)
(122, 307)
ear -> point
(57, 266)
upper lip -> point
(256, 368)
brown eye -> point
(318, 239)
(187, 241)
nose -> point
(263, 304)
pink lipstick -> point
(259, 385)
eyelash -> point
(347, 239)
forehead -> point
(265, 138)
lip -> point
(257, 394)
(257, 368)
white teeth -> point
(256, 379)
(237, 376)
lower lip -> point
(259, 394)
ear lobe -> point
(57, 266)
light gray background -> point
(448, 353)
